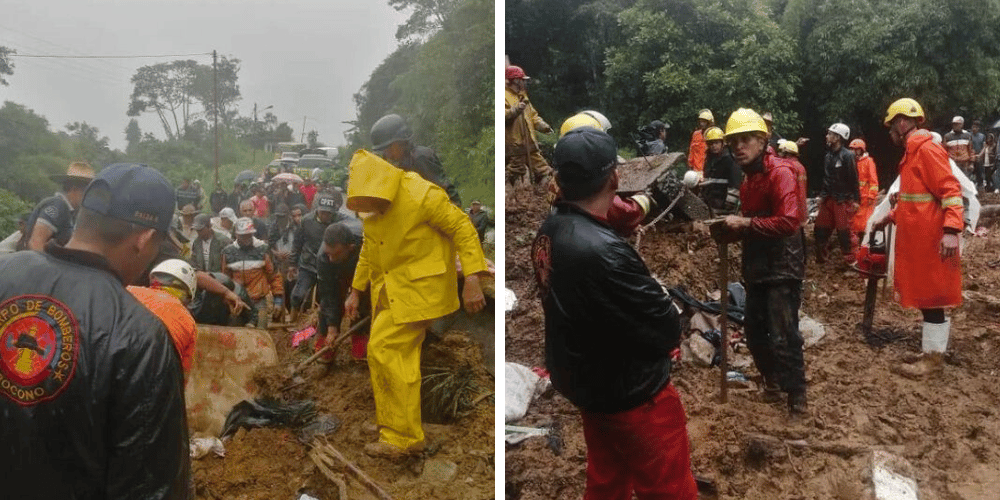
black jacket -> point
(721, 175)
(333, 281)
(840, 176)
(424, 161)
(609, 326)
(308, 238)
(93, 396)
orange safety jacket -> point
(868, 189)
(175, 316)
(697, 152)
(930, 200)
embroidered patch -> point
(39, 343)
(52, 211)
(541, 258)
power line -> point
(108, 57)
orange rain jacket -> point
(175, 316)
(930, 200)
(698, 151)
(868, 188)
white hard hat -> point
(182, 271)
(244, 225)
(315, 174)
(936, 136)
(603, 120)
(958, 119)
(841, 130)
(691, 178)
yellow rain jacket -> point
(410, 249)
(521, 126)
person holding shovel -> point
(773, 258)
(412, 234)
(609, 331)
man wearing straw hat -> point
(53, 217)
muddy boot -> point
(772, 392)
(798, 405)
(930, 364)
(822, 237)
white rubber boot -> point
(935, 338)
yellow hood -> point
(370, 177)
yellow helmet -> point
(706, 114)
(745, 120)
(789, 147)
(579, 120)
(714, 134)
(905, 107)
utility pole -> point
(215, 77)
(302, 136)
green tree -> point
(427, 16)
(133, 135)
(6, 66)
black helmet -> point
(389, 129)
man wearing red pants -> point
(609, 330)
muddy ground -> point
(271, 464)
(947, 428)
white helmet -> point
(603, 120)
(315, 174)
(691, 178)
(841, 130)
(179, 271)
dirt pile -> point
(270, 464)
(948, 428)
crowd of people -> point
(106, 280)
(591, 281)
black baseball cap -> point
(326, 203)
(584, 158)
(132, 192)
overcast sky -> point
(306, 58)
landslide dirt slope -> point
(948, 428)
(270, 464)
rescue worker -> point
(839, 195)
(958, 142)
(308, 238)
(867, 187)
(92, 396)
(929, 221)
(408, 262)
(790, 151)
(978, 140)
(52, 218)
(521, 152)
(773, 259)
(721, 184)
(592, 282)
(392, 139)
(226, 222)
(337, 261)
(698, 148)
(248, 262)
(172, 285)
(206, 250)
(625, 214)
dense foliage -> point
(809, 62)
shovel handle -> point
(357, 326)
